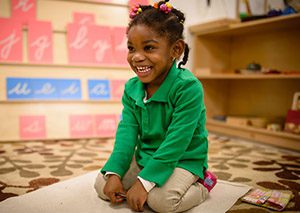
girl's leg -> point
(180, 193)
(131, 175)
(99, 186)
(127, 181)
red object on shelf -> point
(292, 121)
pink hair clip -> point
(135, 11)
(166, 8)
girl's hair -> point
(169, 24)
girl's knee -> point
(172, 201)
(161, 202)
(203, 192)
(99, 186)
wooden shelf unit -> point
(282, 139)
(229, 27)
(221, 47)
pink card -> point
(102, 47)
(120, 45)
(105, 125)
(117, 89)
(32, 127)
(40, 43)
(79, 44)
(84, 18)
(23, 11)
(11, 45)
(132, 3)
(81, 126)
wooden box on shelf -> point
(292, 123)
(221, 49)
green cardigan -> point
(167, 131)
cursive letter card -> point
(84, 18)
(46, 89)
(99, 89)
(79, 44)
(11, 46)
(81, 126)
(105, 125)
(70, 89)
(32, 127)
(19, 89)
(40, 42)
(102, 47)
(120, 45)
(117, 89)
(23, 11)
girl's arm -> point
(126, 138)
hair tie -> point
(135, 11)
(166, 7)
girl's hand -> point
(113, 188)
(137, 196)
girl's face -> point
(149, 55)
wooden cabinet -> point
(224, 46)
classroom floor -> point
(28, 166)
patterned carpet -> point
(28, 166)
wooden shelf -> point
(223, 46)
(227, 27)
(249, 76)
(281, 139)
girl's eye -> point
(148, 47)
(130, 48)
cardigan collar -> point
(161, 94)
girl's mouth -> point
(143, 70)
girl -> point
(160, 151)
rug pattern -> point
(28, 166)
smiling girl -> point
(160, 151)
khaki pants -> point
(181, 192)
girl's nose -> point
(138, 57)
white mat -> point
(78, 195)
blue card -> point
(19, 88)
(70, 89)
(46, 89)
(99, 89)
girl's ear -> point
(178, 48)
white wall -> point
(197, 11)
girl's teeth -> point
(143, 69)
